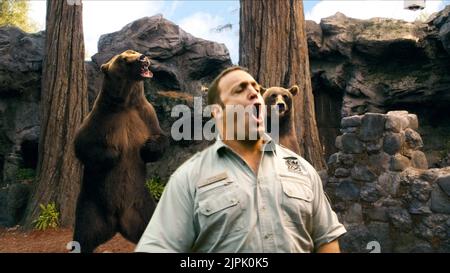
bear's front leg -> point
(154, 148)
(96, 155)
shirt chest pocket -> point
(220, 208)
(296, 200)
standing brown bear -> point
(116, 139)
(283, 98)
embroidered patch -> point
(293, 165)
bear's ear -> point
(294, 90)
(262, 90)
(104, 67)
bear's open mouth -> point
(145, 72)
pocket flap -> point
(213, 205)
(297, 190)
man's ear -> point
(262, 90)
(204, 89)
(216, 111)
(104, 67)
(294, 90)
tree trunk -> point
(63, 107)
(273, 46)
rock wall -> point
(379, 65)
(382, 190)
(20, 80)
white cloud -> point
(101, 17)
(37, 13)
(203, 25)
(365, 9)
(175, 4)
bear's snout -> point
(144, 60)
(281, 106)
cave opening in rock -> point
(328, 105)
(434, 127)
(166, 80)
(29, 152)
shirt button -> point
(208, 209)
(267, 236)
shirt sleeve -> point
(171, 228)
(326, 226)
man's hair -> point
(213, 89)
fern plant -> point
(48, 218)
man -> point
(242, 195)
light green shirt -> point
(215, 203)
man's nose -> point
(253, 94)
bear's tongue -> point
(146, 73)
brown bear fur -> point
(283, 98)
(116, 139)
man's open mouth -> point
(257, 112)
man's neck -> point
(249, 150)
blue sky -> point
(201, 18)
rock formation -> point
(378, 65)
(382, 190)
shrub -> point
(49, 217)
(155, 187)
(25, 174)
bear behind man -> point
(116, 139)
(283, 99)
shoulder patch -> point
(293, 164)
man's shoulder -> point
(194, 163)
(286, 153)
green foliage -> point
(155, 187)
(26, 174)
(14, 12)
(446, 149)
(49, 217)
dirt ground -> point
(14, 240)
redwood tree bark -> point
(273, 46)
(63, 106)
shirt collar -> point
(268, 146)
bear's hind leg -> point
(92, 226)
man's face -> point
(244, 106)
